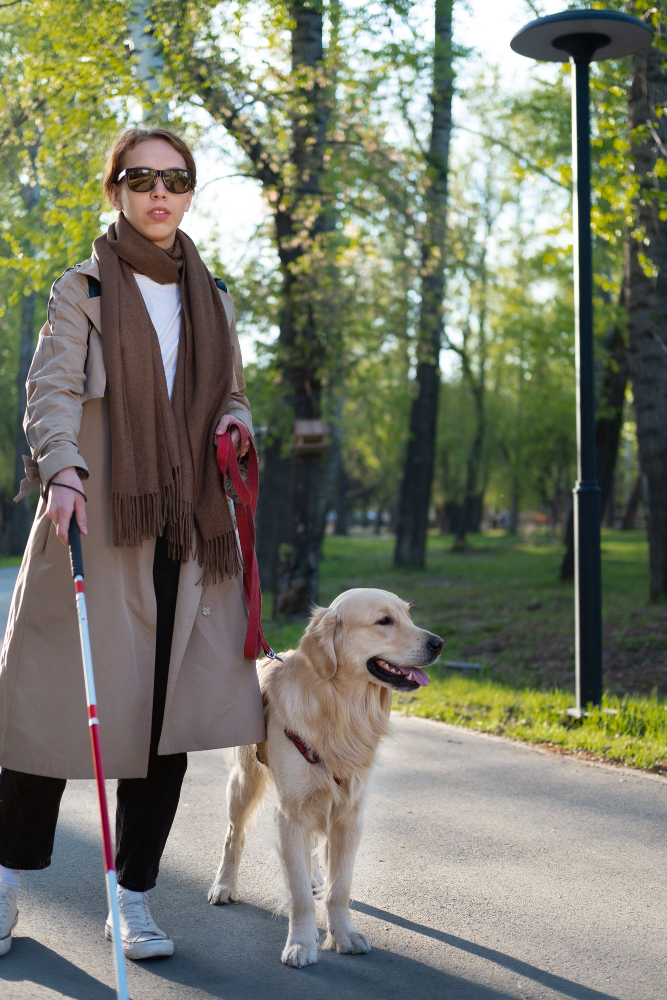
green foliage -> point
(64, 72)
(353, 251)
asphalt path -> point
(8, 576)
(486, 871)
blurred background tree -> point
(64, 81)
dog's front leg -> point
(295, 854)
(344, 837)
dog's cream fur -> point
(325, 693)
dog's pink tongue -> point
(420, 676)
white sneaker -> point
(9, 914)
(139, 935)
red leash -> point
(245, 503)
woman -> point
(137, 371)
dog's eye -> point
(385, 621)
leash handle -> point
(245, 505)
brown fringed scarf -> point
(164, 475)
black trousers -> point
(145, 807)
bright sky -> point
(487, 26)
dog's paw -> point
(220, 893)
(347, 943)
(298, 954)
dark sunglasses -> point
(176, 180)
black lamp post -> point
(584, 36)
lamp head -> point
(584, 35)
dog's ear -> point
(318, 645)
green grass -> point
(501, 605)
(9, 561)
(635, 734)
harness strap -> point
(311, 755)
(244, 498)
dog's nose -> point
(435, 643)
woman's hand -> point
(236, 437)
(63, 502)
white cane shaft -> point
(119, 957)
(85, 648)
(110, 874)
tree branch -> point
(506, 146)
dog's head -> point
(369, 634)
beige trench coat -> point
(213, 697)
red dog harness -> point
(244, 498)
(311, 756)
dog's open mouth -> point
(403, 678)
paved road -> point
(7, 580)
(486, 872)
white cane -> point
(74, 538)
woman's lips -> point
(158, 213)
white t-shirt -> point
(164, 308)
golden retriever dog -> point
(327, 709)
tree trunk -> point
(302, 213)
(610, 417)
(610, 513)
(18, 529)
(607, 437)
(297, 583)
(415, 489)
(274, 511)
(472, 498)
(647, 302)
(633, 505)
(513, 526)
(566, 569)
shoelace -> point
(138, 916)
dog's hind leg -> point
(343, 843)
(317, 880)
(245, 788)
(295, 855)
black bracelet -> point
(80, 492)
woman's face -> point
(155, 214)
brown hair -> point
(128, 140)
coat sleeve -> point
(55, 382)
(238, 403)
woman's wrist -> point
(66, 477)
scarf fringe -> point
(219, 557)
(135, 519)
